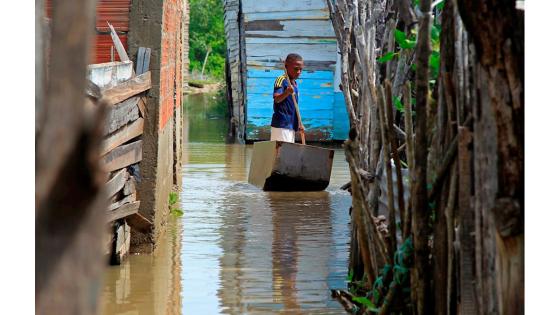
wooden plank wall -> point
(234, 61)
(123, 92)
(272, 30)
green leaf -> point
(373, 309)
(440, 5)
(177, 213)
(363, 300)
(434, 62)
(398, 104)
(388, 56)
(376, 295)
(409, 43)
(436, 31)
(432, 205)
(173, 197)
(350, 275)
(400, 36)
(403, 42)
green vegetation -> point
(409, 43)
(173, 198)
(207, 32)
(393, 283)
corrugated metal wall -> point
(117, 13)
(274, 28)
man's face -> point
(294, 67)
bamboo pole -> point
(300, 124)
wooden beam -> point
(116, 183)
(129, 186)
(142, 106)
(123, 211)
(118, 45)
(139, 223)
(92, 90)
(125, 200)
(121, 245)
(143, 60)
(123, 156)
(140, 59)
(121, 114)
(127, 89)
(123, 135)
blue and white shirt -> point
(285, 112)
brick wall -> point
(170, 64)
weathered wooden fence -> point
(462, 243)
(123, 91)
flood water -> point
(237, 249)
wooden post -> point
(69, 208)
(421, 214)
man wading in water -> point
(284, 120)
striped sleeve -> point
(279, 81)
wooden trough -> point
(284, 166)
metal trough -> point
(284, 166)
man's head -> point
(294, 65)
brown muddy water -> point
(237, 249)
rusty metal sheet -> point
(115, 12)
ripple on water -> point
(237, 249)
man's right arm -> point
(279, 97)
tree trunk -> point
(496, 29)
(421, 277)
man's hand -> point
(301, 128)
(282, 96)
(289, 90)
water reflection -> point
(205, 119)
(147, 284)
(300, 249)
(237, 249)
